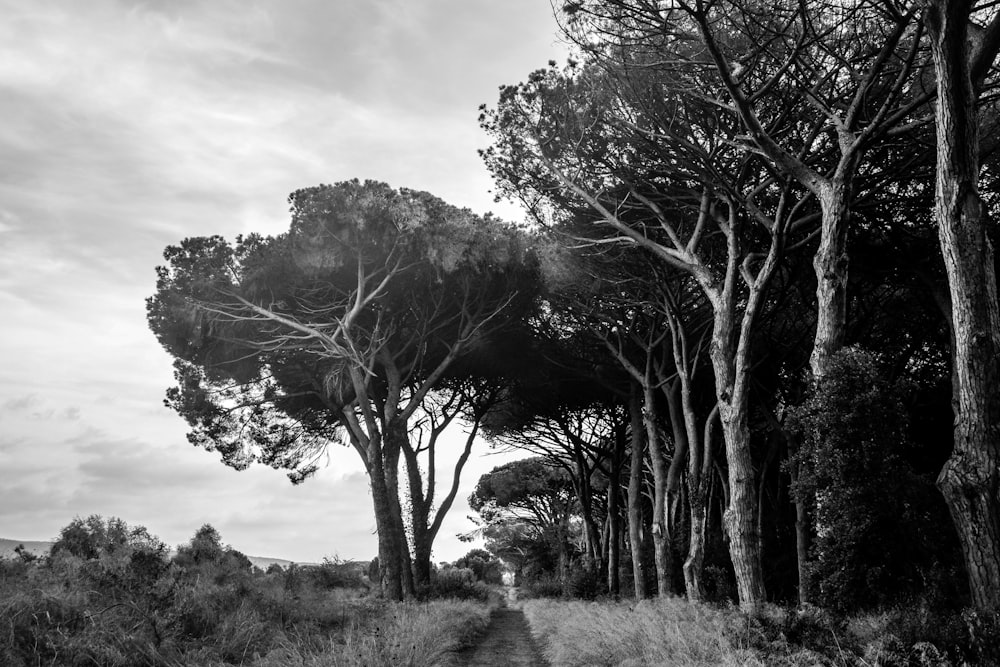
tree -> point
(971, 477)
(532, 493)
(817, 88)
(468, 398)
(95, 536)
(582, 142)
(206, 549)
(336, 331)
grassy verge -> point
(418, 635)
(648, 633)
(677, 633)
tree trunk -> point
(699, 479)
(391, 448)
(421, 561)
(635, 498)
(970, 480)
(585, 495)
(662, 551)
(740, 517)
(419, 512)
(390, 575)
(614, 527)
(831, 266)
(562, 537)
(803, 529)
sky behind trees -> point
(129, 125)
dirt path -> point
(507, 643)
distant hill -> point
(38, 548)
(41, 548)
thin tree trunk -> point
(562, 536)
(662, 552)
(802, 534)
(585, 496)
(635, 520)
(419, 511)
(970, 480)
(700, 479)
(614, 529)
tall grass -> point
(647, 633)
(404, 635)
(67, 611)
(676, 633)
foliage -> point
(95, 537)
(881, 531)
(485, 566)
(456, 583)
(206, 607)
(526, 508)
(338, 331)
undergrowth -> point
(677, 633)
(127, 603)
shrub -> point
(336, 573)
(542, 587)
(455, 583)
(586, 583)
(882, 531)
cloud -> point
(131, 124)
(21, 403)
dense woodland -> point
(748, 335)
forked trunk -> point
(662, 551)
(731, 370)
(699, 478)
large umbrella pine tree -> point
(336, 331)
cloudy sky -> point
(127, 125)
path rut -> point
(507, 642)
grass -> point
(677, 633)
(629, 635)
(95, 613)
(404, 635)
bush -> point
(105, 598)
(542, 587)
(455, 583)
(336, 573)
(586, 583)
(882, 531)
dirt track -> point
(507, 642)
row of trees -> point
(724, 139)
(660, 335)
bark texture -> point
(970, 480)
